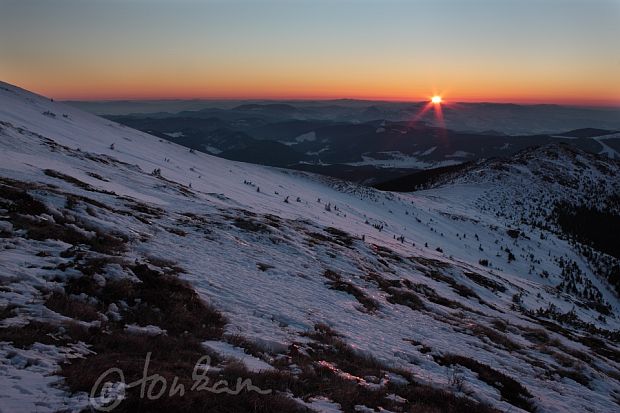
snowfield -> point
(462, 287)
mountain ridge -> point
(382, 293)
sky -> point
(527, 51)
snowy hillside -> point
(464, 297)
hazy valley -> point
(369, 142)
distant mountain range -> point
(362, 144)
(511, 119)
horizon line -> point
(446, 102)
(567, 102)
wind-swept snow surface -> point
(469, 286)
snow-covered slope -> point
(452, 276)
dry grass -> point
(172, 305)
(74, 181)
(160, 299)
(512, 391)
(171, 357)
(494, 336)
(59, 175)
(385, 252)
(153, 212)
(383, 283)
(318, 378)
(343, 237)
(22, 207)
(406, 298)
(16, 200)
(71, 307)
(337, 283)
(169, 267)
(7, 311)
(485, 282)
(573, 374)
(434, 297)
(250, 225)
(27, 335)
(499, 325)
(600, 347)
(536, 335)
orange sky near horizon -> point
(481, 50)
(376, 84)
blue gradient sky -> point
(564, 51)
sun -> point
(436, 99)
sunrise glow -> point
(273, 50)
